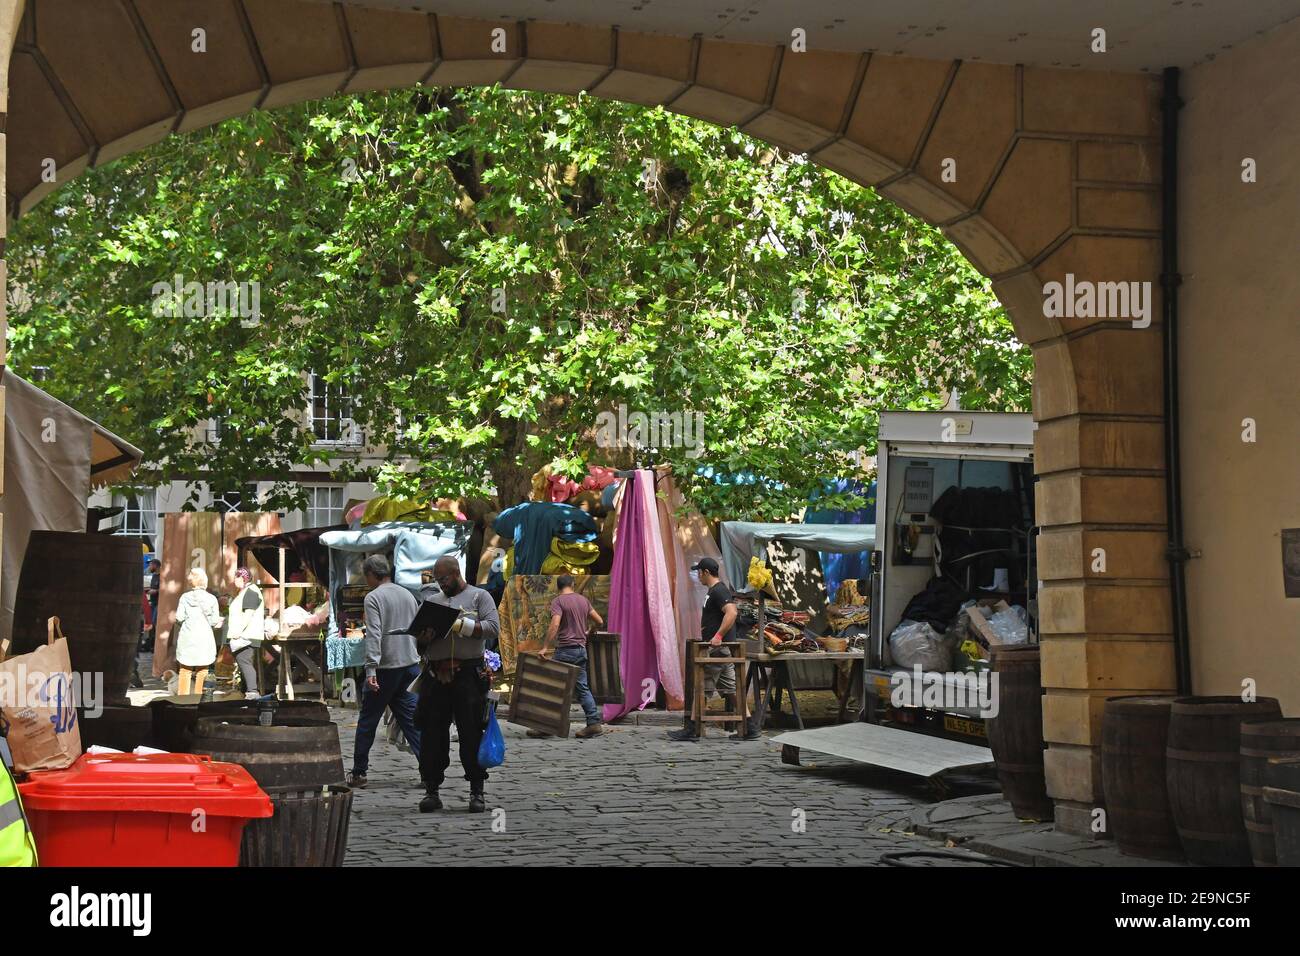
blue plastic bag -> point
(492, 749)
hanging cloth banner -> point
(640, 603)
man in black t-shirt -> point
(717, 624)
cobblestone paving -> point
(632, 797)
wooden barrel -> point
(173, 720)
(1203, 771)
(120, 726)
(93, 583)
(293, 752)
(1134, 736)
(307, 828)
(1016, 733)
(1282, 794)
(1261, 740)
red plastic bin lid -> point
(158, 783)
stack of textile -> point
(534, 525)
(840, 617)
(747, 609)
(777, 633)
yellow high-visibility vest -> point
(17, 848)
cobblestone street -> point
(632, 797)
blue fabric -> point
(837, 568)
(533, 524)
(608, 494)
(344, 652)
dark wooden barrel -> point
(1016, 733)
(294, 752)
(1203, 771)
(120, 726)
(173, 720)
(1134, 736)
(1260, 741)
(307, 828)
(1282, 794)
(93, 583)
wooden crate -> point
(542, 694)
(604, 675)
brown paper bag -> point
(38, 713)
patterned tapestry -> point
(526, 611)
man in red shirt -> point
(571, 617)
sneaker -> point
(476, 802)
(686, 734)
(430, 802)
(751, 733)
(591, 730)
(356, 781)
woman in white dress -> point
(197, 614)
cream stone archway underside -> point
(1056, 173)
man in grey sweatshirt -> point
(455, 685)
(392, 663)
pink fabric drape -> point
(640, 602)
(689, 540)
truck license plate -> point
(960, 725)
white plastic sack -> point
(915, 643)
(1011, 625)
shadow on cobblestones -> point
(633, 797)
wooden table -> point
(769, 677)
(291, 648)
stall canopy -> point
(54, 457)
(742, 540)
(304, 550)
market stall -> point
(298, 564)
(798, 648)
(54, 458)
(412, 547)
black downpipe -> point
(1170, 279)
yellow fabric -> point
(570, 557)
(401, 509)
(17, 848)
(848, 593)
(540, 485)
(508, 566)
(759, 576)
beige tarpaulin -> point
(53, 457)
(202, 539)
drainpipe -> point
(1170, 279)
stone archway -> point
(1056, 173)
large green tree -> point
(485, 272)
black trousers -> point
(463, 700)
